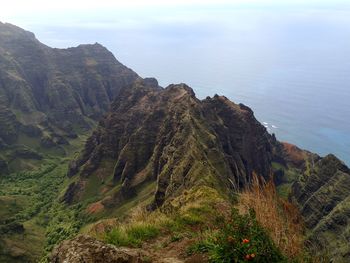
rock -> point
(151, 82)
(169, 137)
(70, 193)
(89, 250)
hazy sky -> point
(97, 13)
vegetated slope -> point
(320, 187)
(48, 95)
(49, 100)
(169, 141)
(162, 148)
(323, 196)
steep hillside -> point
(320, 187)
(88, 146)
(323, 196)
(169, 141)
(156, 144)
(49, 101)
(49, 95)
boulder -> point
(89, 250)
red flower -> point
(245, 241)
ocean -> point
(292, 67)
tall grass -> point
(131, 235)
(279, 217)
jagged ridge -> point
(170, 137)
(53, 94)
(323, 196)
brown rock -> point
(89, 250)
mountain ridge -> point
(146, 133)
(50, 95)
(109, 141)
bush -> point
(280, 218)
(240, 239)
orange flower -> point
(252, 255)
(245, 241)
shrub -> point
(240, 239)
(280, 218)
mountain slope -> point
(181, 157)
(323, 196)
(171, 140)
(49, 95)
(49, 100)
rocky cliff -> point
(323, 196)
(170, 138)
(161, 147)
(51, 94)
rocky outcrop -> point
(323, 196)
(89, 250)
(170, 137)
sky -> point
(49, 19)
(28, 13)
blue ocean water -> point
(292, 67)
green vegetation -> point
(132, 235)
(32, 218)
(240, 239)
(286, 177)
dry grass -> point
(279, 217)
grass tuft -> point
(281, 218)
(131, 235)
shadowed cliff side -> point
(171, 139)
(48, 95)
(323, 196)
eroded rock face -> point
(323, 196)
(51, 94)
(89, 250)
(50, 86)
(170, 137)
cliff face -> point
(323, 196)
(64, 84)
(152, 145)
(51, 94)
(170, 138)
